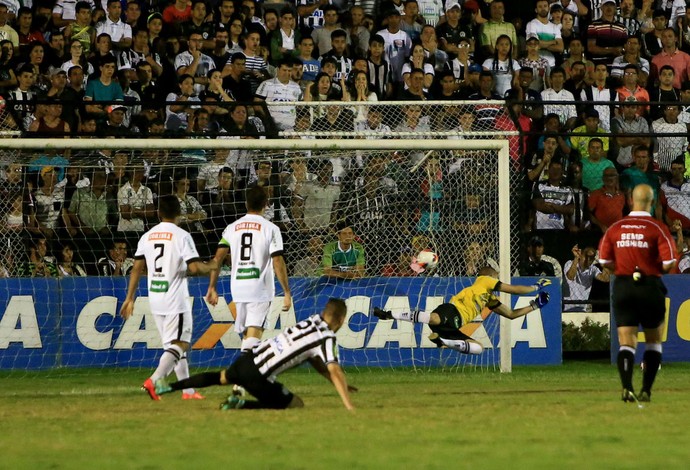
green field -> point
(534, 418)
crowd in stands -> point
(599, 89)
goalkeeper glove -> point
(541, 284)
(541, 300)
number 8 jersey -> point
(252, 241)
(167, 249)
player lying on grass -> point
(446, 320)
(310, 340)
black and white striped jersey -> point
(294, 345)
(21, 105)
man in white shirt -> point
(567, 113)
(195, 63)
(119, 31)
(280, 88)
(549, 34)
(398, 44)
(256, 248)
(167, 252)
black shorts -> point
(451, 321)
(245, 373)
(640, 302)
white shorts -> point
(251, 314)
(174, 328)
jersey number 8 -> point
(246, 247)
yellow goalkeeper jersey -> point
(471, 300)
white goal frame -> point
(496, 144)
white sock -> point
(413, 317)
(248, 343)
(465, 347)
(167, 362)
(182, 372)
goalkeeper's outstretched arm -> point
(522, 290)
(539, 301)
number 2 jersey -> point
(167, 249)
(252, 241)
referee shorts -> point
(245, 373)
(451, 321)
(640, 302)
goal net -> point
(78, 206)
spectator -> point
(549, 34)
(26, 31)
(567, 114)
(671, 55)
(284, 40)
(577, 82)
(141, 52)
(538, 164)
(314, 201)
(115, 122)
(607, 203)
(493, 28)
(452, 32)
(434, 54)
(631, 87)
(35, 55)
(651, 41)
(21, 99)
(552, 202)
(235, 77)
(668, 147)
(39, 264)
(594, 165)
(133, 15)
(631, 56)
(120, 32)
(192, 214)
(629, 131)
(503, 67)
(77, 57)
(343, 258)
(664, 92)
(6, 31)
(397, 45)
(135, 202)
(380, 74)
(335, 119)
(322, 36)
(537, 264)
(599, 91)
(197, 24)
(310, 65)
(195, 63)
(578, 54)
(51, 124)
(226, 11)
(278, 89)
(629, 16)
(359, 35)
(486, 114)
(535, 65)
(582, 136)
(606, 37)
(676, 195)
(116, 263)
(103, 88)
(256, 65)
(224, 203)
(49, 203)
(177, 13)
(177, 115)
(580, 273)
(67, 266)
(642, 172)
(81, 29)
(88, 210)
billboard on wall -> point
(74, 322)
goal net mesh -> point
(81, 211)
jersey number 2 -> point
(161, 248)
(246, 247)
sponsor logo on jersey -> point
(248, 226)
(160, 236)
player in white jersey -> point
(256, 250)
(310, 340)
(167, 252)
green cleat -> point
(232, 403)
(162, 387)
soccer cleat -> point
(239, 391)
(150, 388)
(193, 396)
(644, 397)
(628, 396)
(436, 339)
(232, 403)
(161, 387)
(382, 314)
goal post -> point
(485, 165)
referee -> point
(638, 249)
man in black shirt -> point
(535, 265)
(236, 81)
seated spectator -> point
(537, 165)
(537, 264)
(578, 80)
(198, 24)
(567, 113)
(103, 88)
(642, 172)
(593, 167)
(88, 211)
(577, 54)
(81, 30)
(177, 115)
(51, 123)
(39, 263)
(675, 195)
(310, 265)
(551, 201)
(177, 13)
(668, 147)
(580, 273)
(314, 201)
(336, 118)
(343, 258)
(418, 61)
(475, 256)
(67, 267)
(632, 88)
(415, 87)
(116, 263)
(492, 28)
(629, 130)
(284, 40)
(255, 65)
(581, 142)
(194, 63)
(135, 202)
(502, 66)
(20, 100)
(651, 41)
(77, 57)
(322, 35)
(607, 203)
(115, 122)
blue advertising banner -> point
(676, 336)
(74, 322)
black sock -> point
(205, 379)
(652, 360)
(626, 364)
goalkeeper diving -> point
(446, 320)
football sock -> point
(626, 363)
(205, 379)
(167, 362)
(182, 372)
(652, 360)
(414, 316)
(465, 347)
(248, 343)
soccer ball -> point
(424, 261)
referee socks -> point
(626, 364)
(652, 361)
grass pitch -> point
(535, 418)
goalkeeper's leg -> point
(462, 345)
